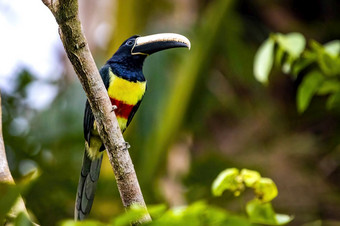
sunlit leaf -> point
(192, 215)
(22, 220)
(199, 214)
(134, 213)
(288, 63)
(282, 219)
(294, 43)
(9, 193)
(26, 181)
(157, 210)
(333, 48)
(260, 212)
(307, 89)
(327, 56)
(227, 180)
(286, 67)
(237, 221)
(265, 189)
(263, 213)
(250, 177)
(264, 59)
(11, 203)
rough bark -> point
(5, 174)
(77, 49)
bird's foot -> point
(114, 107)
(124, 146)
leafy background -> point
(204, 111)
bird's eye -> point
(130, 43)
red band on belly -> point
(123, 110)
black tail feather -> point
(87, 186)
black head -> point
(131, 54)
(124, 57)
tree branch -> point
(6, 176)
(77, 49)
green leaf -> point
(157, 211)
(282, 219)
(22, 220)
(333, 101)
(81, 223)
(307, 89)
(227, 180)
(250, 177)
(328, 57)
(265, 189)
(303, 62)
(279, 55)
(199, 214)
(9, 193)
(259, 212)
(263, 213)
(333, 48)
(294, 43)
(237, 221)
(329, 65)
(329, 87)
(264, 60)
(134, 213)
(287, 66)
(315, 46)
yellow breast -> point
(126, 91)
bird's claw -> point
(124, 146)
(114, 107)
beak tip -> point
(186, 41)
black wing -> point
(88, 115)
(133, 112)
(88, 122)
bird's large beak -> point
(153, 43)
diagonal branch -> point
(77, 49)
(6, 176)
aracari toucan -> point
(125, 83)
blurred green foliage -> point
(259, 210)
(203, 112)
(198, 213)
(9, 194)
(319, 66)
